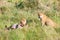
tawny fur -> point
(45, 20)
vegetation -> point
(11, 11)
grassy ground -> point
(34, 31)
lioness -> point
(45, 20)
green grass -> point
(34, 31)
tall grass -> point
(28, 9)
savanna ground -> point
(11, 11)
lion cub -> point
(46, 20)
